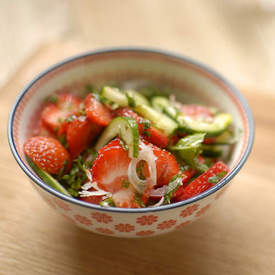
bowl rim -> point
(165, 53)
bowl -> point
(189, 80)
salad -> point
(129, 148)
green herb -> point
(131, 100)
(70, 118)
(140, 169)
(109, 202)
(146, 124)
(189, 147)
(51, 99)
(125, 183)
(138, 200)
(82, 112)
(216, 179)
(171, 188)
(60, 120)
(63, 141)
(77, 175)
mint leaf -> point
(172, 187)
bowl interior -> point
(186, 79)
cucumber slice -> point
(211, 151)
(159, 103)
(129, 98)
(162, 104)
(215, 128)
(159, 120)
(124, 127)
(47, 178)
(115, 95)
(138, 97)
(226, 138)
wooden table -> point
(236, 237)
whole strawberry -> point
(47, 153)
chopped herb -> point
(63, 141)
(131, 100)
(82, 112)
(51, 99)
(107, 202)
(146, 125)
(216, 179)
(60, 120)
(172, 187)
(125, 183)
(77, 175)
(70, 118)
(138, 200)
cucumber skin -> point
(188, 128)
(105, 137)
(159, 120)
(47, 178)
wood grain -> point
(236, 237)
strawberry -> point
(186, 176)
(79, 132)
(47, 153)
(41, 130)
(110, 168)
(194, 110)
(151, 134)
(204, 181)
(166, 165)
(54, 113)
(96, 111)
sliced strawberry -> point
(47, 153)
(166, 165)
(96, 111)
(53, 114)
(194, 110)
(203, 182)
(186, 176)
(110, 168)
(79, 133)
(150, 134)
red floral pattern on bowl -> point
(202, 210)
(189, 210)
(147, 219)
(124, 227)
(83, 220)
(166, 224)
(101, 217)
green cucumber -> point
(211, 151)
(162, 104)
(124, 127)
(138, 97)
(159, 120)
(47, 178)
(226, 138)
(115, 95)
(128, 98)
(219, 125)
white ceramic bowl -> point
(189, 80)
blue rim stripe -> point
(210, 191)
